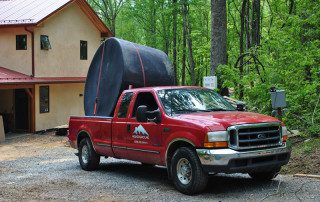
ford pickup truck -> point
(192, 131)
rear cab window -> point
(124, 106)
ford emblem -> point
(261, 136)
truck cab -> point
(192, 131)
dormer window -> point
(44, 42)
(21, 42)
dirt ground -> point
(43, 167)
(305, 157)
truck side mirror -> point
(141, 113)
(155, 116)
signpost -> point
(210, 82)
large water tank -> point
(116, 65)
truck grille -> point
(252, 136)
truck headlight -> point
(284, 133)
(218, 139)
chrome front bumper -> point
(231, 161)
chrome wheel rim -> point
(184, 171)
(85, 154)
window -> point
(44, 42)
(21, 42)
(44, 99)
(146, 99)
(182, 101)
(83, 50)
(124, 105)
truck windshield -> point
(181, 101)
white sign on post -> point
(210, 82)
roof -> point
(33, 12)
(8, 76)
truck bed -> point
(99, 129)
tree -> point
(108, 10)
(174, 39)
(218, 34)
(255, 35)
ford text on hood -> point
(192, 131)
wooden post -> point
(33, 110)
(2, 134)
(31, 94)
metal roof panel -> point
(27, 11)
(8, 76)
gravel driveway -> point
(43, 167)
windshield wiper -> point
(191, 110)
(218, 109)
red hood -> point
(217, 120)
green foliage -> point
(289, 46)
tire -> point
(265, 175)
(187, 173)
(89, 160)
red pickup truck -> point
(192, 131)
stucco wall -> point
(6, 101)
(65, 30)
(17, 60)
(64, 101)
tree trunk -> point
(218, 34)
(113, 25)
(184, 45)
(151, 20)
(189, 40)
(255, 23)
(241, 43)
(292, 7)
(247, 25)
(174, 35)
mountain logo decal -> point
(139, 130)
(140, 133)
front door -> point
(144, 138)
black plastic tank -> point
(116, 65)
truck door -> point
(119, 127)
(144, 138)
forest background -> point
(250, 45)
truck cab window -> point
(146, 99)
(124, 105)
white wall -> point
(17, 60)
(64, 101)
(65, 30)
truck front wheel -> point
(88, 158)
(187, 173)
(265, 175)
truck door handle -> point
(128, 128)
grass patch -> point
(308, 146)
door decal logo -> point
(140, 133)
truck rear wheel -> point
(187, 173)
(89, 160)
(265, 175)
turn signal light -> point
(284, 138)
(215, 144)
(284, 133)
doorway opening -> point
(15, 109)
